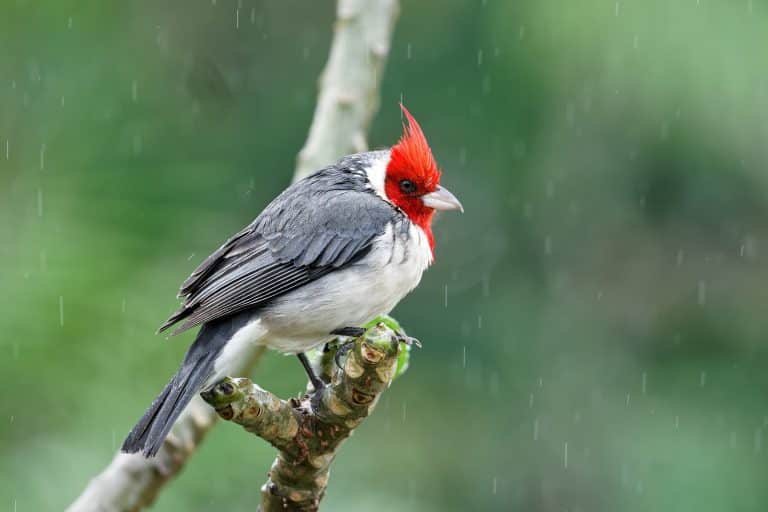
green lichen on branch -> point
(308, 431)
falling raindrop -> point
(702, 293)
(445, 296)
(464, 357)
(680, 257)
(405, 410)
(645, 382)
(636, 42)
(40, 202)
(122, 306)
(134, 91)
(42, 156)
(7, 149)
(253, 15)
(616, 9)
(530, 401)
(69, 23)
(409, 51)
(479, 322)
(677, 422)
(493, 487)
(479, 58)
(237, 19)
(628, 397)
(61, 310)
(565, 455)
(703, 379)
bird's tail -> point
(152, 429)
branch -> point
(347, 100)
(349, 85)
(132, 481)
(308, 432)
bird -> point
(329, 254)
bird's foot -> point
(342, 351)
(408, 340)
(344, 348)
(350, 332)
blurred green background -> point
(593, 329)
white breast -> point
(351, 296)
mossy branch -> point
(307, 432)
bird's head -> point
(412, 178)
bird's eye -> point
(407, 186)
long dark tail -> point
(152, 429)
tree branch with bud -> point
(307, 432)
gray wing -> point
(319, 224)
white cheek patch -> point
(377, 173)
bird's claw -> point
(408, 340)
(356, 332)
(342, 351)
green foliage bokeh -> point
(593, 329)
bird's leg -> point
(316, 381)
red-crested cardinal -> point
(329, 254)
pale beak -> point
(441, 199)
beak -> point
(441, 199)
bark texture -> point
(307, 432)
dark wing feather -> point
(319, 224)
